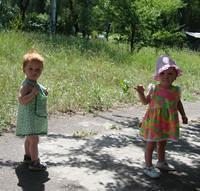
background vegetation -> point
(136, 22)
(86, 45)
(85, 75)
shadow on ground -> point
(122, 120)
(29, 180)
(127, 175)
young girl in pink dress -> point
(161, 122)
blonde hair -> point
(32, 56)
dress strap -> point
(29, 82)
(34, 84)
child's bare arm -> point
(27, 94)
(182, 112)
(143, 98)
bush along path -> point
(101, 152)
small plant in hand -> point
(125, 85)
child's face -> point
(33, 70)
(168, 76)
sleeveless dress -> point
(161, 119)
(32, 117)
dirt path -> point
(101, 152)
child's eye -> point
(162, 73)
(38, 70)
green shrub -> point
(166, 38)
(7, 14)
(36, 22)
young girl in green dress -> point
(161, 122)
(32, 109)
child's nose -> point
(35, 72)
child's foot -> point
(164, 166)
(27, 159)
(151, 172)
(37, 166)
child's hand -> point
(46, 92)
(185, 119)
(139, 89)
(35, 91)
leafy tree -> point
(126, 18)
(103, 14)
(86, 16)
(159, 22)
(7, 14)
(139, 22)
(191, 15)
(68, 16)
(23, 5)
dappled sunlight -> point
(112, 159)
(118, 157)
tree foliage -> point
(138, 22)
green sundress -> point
(32, 117)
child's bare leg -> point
(149, 152)
(26, 146)
(33, 147)
(35, 163)
(161, 150)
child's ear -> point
(175, 77)
(23, 69)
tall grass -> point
(85, 75)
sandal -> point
(164, 166)
(37, 166)
(151, 172)
(27, 159)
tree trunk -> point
(73, 18)
(53, 17)
(132, 37)
(23, 4)
(107, 30)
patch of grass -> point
(115, 127)
(83, 134)
(85, 75)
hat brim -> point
(166, 67)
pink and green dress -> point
(161, 119)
